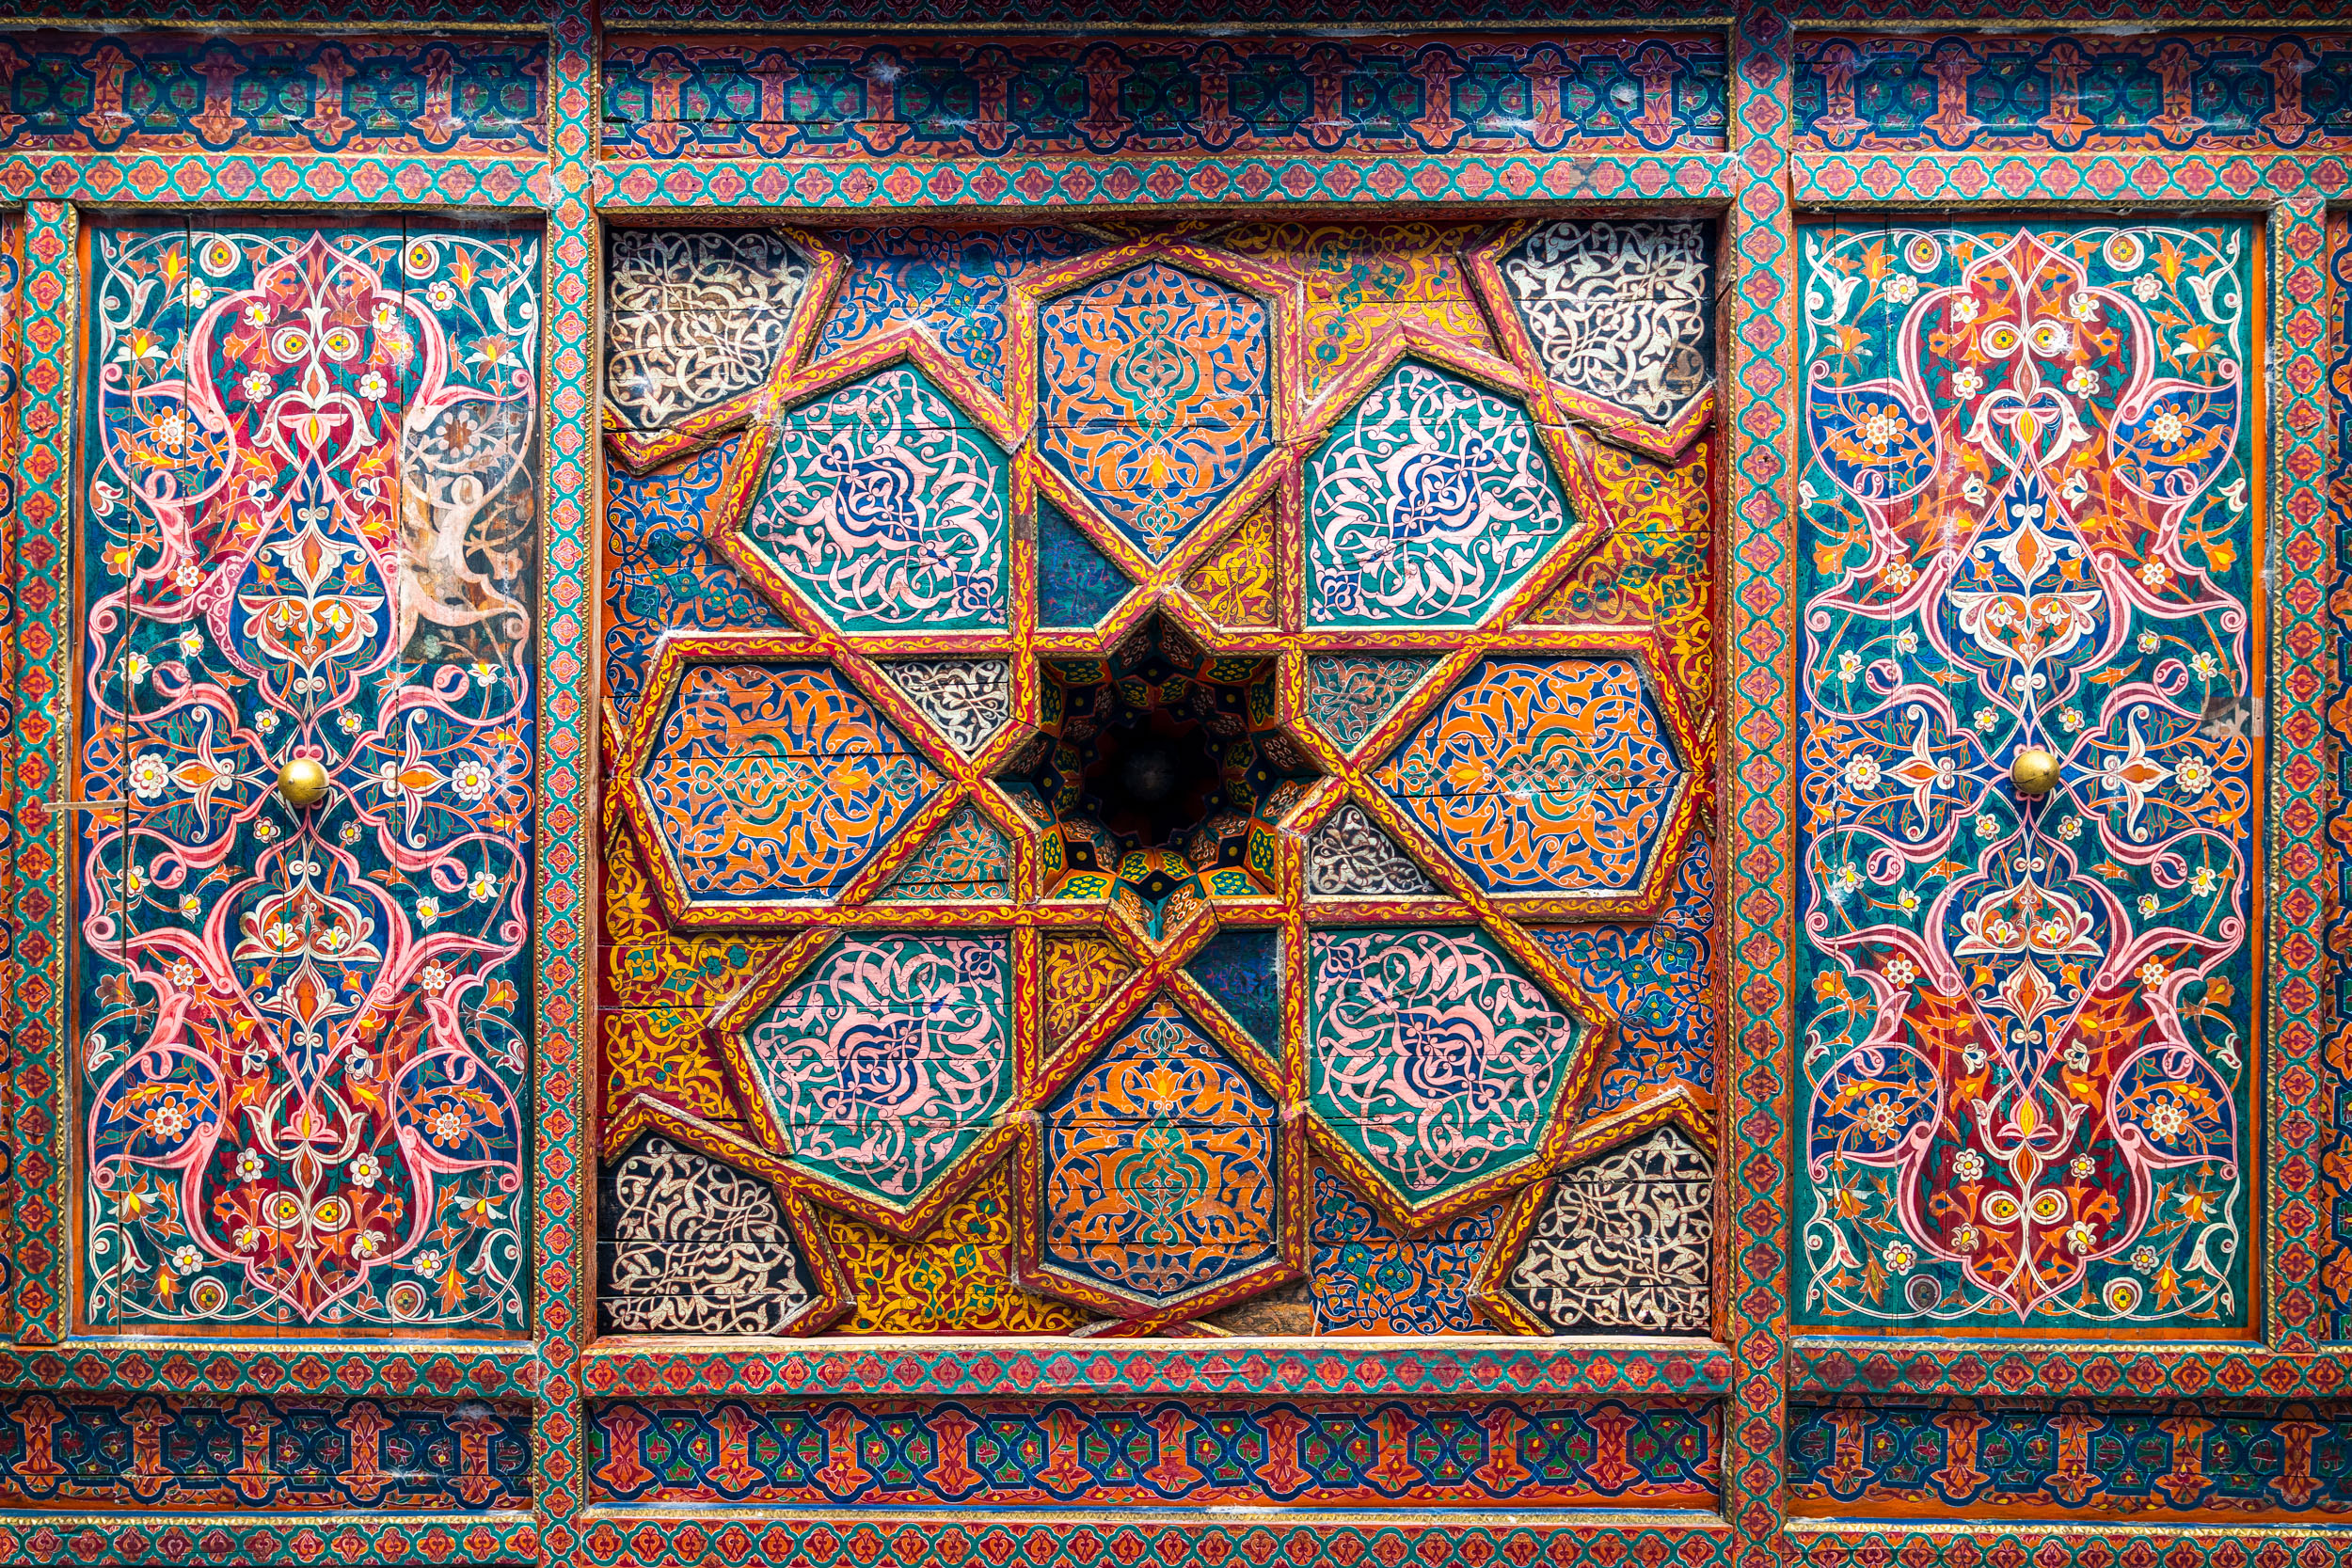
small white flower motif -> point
(1879, 431)
(200, 293)
(365, 1171)
(441, 295)
(1899, 1258)
(265, 720)
(350, 833)
(1849, 666)
(1906, 641)
(2080, 1167)
(2154, 573)
(263, 829)
(2082, 380)
(186, 1260)
(187, 576)
(182, 974)
(2081, 1237)
(2203, 881)
(2150, 641)
(256, 1058)
(1900, 576)
(2144, 1259)
(2168, 426)
(256, 384)
(487, 675)
(1900, 972)
(386, 317)
(1907, 901)
(2193, 776)
(1969, 1165)
(191, 643)
(1989, 825)
(248, 1238)
(349, 719)
(250, 1166)
(1971, 490)
(2146, 287)
(1965, 310)
(1901, 288)
(257, 314)
(2082, 306)
(433, 978)
(426, 1263)
(2206, 665)
(1967, 1239)
(2071, 718)
(2167, 1119)
(484, 887)
(371, 385)
(190, 904)
(2147, 906)
(1987, 718)
(368, 1244)
(1861, 772)
(148, 775)
(2152, 973)
(1847, 876)
(428, 911)
(1967, 384)
(471, 780)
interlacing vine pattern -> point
(311, 521)
(2028, 1041)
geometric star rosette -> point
(1045, 869)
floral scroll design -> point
(2027, 483)
(311, 521)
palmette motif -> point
(2025, 1055)
(310, 520)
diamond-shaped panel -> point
(1161, 1167)
(1543, 775)
(888, 1059)
(1433, 1059)
(886, 504)
(768, 782)
(1429, 501)
(1156, 397)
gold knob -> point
(2034, 771)
(302, 782)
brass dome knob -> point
(302, 782)
(2034, 772)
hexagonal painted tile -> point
(1544, 775)
(1155, 397)
(1162, 1173)
(1433, 1063)
(767, 784)
(1428, 502)
(885, 504)
(886, 1061)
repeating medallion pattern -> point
(310, 518)
(2028, 1044)
(1040, 950)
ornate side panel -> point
(2029, 772)
(309, 516)
(1156, 788)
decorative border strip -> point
(871, 184)
(143, 1366)
(1442, 1368)
(102, 1541)
(1873, 90)
(1835, 179)
(1853, 1367)
(952, 97)
(141, 178)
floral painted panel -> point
(310, 514)
(2030, 503)
(1160, 778)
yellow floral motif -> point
(1080, 971)
(1236, 584)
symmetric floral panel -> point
(2028, 1044)
(1157, 782)
(310, 514)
